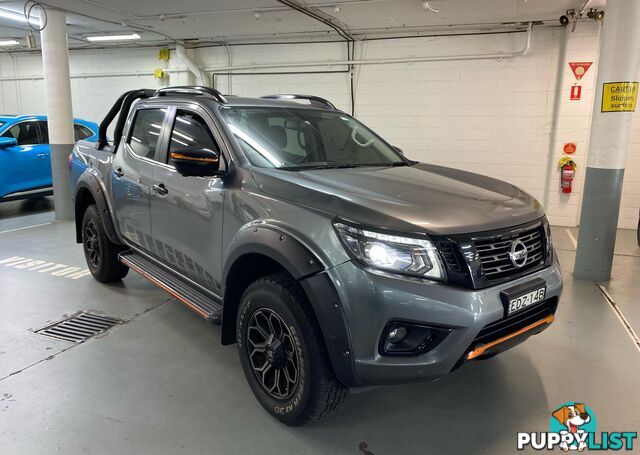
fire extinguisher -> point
(567, 173)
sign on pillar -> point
(619, 96)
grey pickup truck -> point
(328, 257)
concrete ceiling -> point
(193, 21)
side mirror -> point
(398, 149)
(6, 142)
(196, 162)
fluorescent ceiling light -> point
(10, 42)
(19, 17)
(114, 37)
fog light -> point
(397, 335)
(410, 339)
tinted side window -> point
(26, 133)
(44, 132)
(81, 132)
(190, 130)
(147, 125)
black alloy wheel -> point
(273, 356)
(92, 244)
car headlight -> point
(406, 255)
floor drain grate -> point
(79, 327)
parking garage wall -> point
(494, 117)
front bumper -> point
(371, 299)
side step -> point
(206, 306)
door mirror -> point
(196, 162)
(398, 149)
(6, 142)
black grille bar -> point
(494, 252)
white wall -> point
(92, 97)
(488, 116)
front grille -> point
(493, 252)
(512, 324)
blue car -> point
(25, 166)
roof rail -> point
(192, 90)
(314, 100)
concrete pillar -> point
(619, 58)
(57, 88)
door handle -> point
(118, 172)
(160, 189)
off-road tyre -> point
(316, 392)
(100, 253)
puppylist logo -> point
(573, 427)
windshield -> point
(297, 139)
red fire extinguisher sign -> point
(576, 91)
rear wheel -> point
(100, 253)
(283, 355)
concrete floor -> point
(161, 383)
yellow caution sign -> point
(619, 96)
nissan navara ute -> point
(328, 257)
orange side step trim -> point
(161, 285)
(477, 352)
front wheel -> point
(100, 253)
(283, 355)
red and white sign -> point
(576, 91)
(570, 148)
(579, 68)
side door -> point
(132, 173)
(186, 212)
(28, 162)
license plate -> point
(525, 300)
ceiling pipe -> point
(37, 77)
(498, 55)
(386, 61)
(201, 75)
(320, 16)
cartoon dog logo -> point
(573, 417)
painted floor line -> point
(625, 323)
(572, 238)
(26, 227)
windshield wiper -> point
(396, 164)
(318, 166)
(313, 167)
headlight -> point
(406, 255)
(549, 242)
